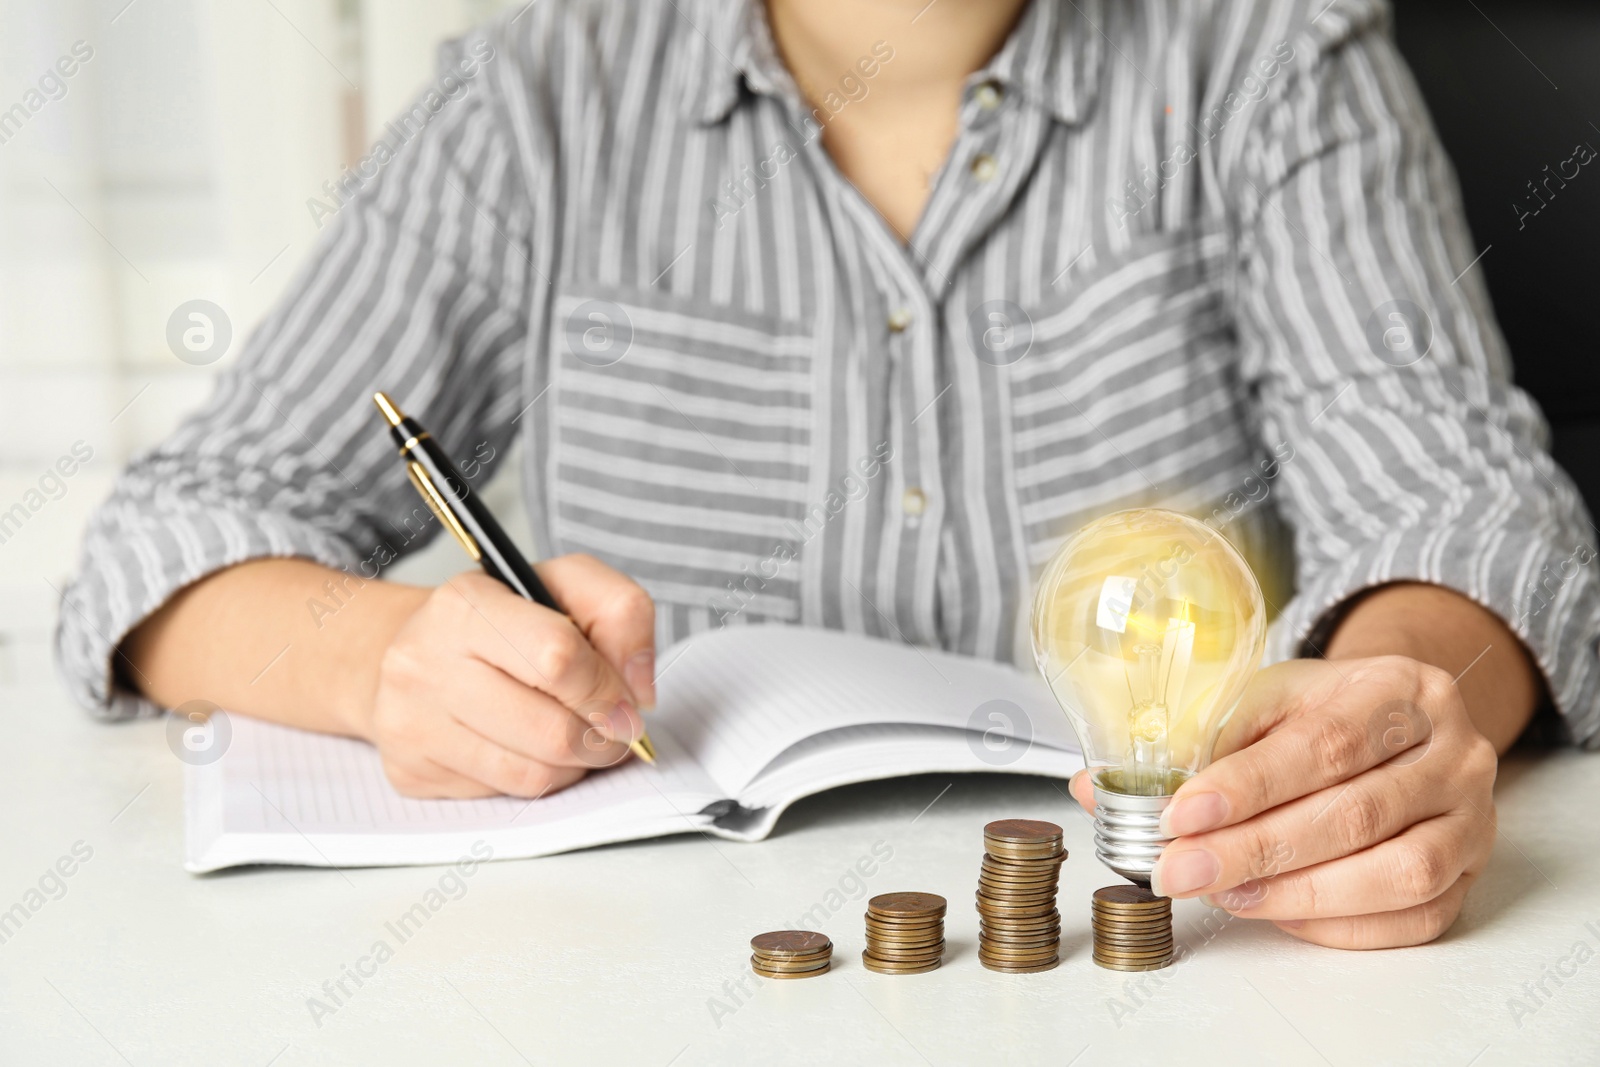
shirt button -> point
(989, 95)
(899, 319)
(984, 167)
(914, 502)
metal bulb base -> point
(1127, 833)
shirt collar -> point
(1052, 58)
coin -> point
(791, 963)
(1023, 831)
(1132, 929)
(931, 934)
(1053, 915)
(1144, 930)
(997, 888)
(791, 974)
(901, 936)
(1142, 922)
(885, 948)
(1015, 900)
(1107, 959)
(1018, 952)
(1034, 873)
(1049, 860)
(992, 912)
(1022, 850)
(993, 936)
(788, 966)
(1021, 925)
(790, 954)
(1004, 968)
(790, 943)
(1123, 896)
(906, 904)
(1018, 925)
(1130, 967)
(907, 926)
(885, 967)
(994, 887)
(1117, 937)
(1044, 872)
(905, 933)
(930, 938)
(1025, 855)
(919, 956)
(1014, 897)
(1155, 948)
(903, 924)
(1020, 909)
(1037, 872)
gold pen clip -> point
(436, 502)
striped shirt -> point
(1205, 254)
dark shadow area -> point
(1512, 86)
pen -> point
(464, 516)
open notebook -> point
(750, 719)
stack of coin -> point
(1132, 928)
(791, 954)
(1019, 929)
(905, 933)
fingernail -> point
(1078, 789)
(1194, 814)
(640, 674)
(1177, 873)
(623, 724)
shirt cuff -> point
(131, 569)
(1546, 594)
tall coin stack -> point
(1132, 928)
(1019, 928)
(791, 954)
(905, 933)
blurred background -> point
(176, 161)
(173, 164)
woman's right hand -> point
(481, 692)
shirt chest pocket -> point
(680, 450)
(1128, 393)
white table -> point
(623, 954)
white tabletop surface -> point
(638, 954)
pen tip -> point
(645, 750)
(390, 412)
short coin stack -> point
(905, 933)
(1132, 928)
(1019, 928)
(791, 954)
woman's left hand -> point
(1350, 803)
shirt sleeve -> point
(1371, 354)
(419, 288)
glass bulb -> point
(1147, 625)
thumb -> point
(614, 612)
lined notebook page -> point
(740, 697)
(276, 779)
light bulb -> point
(1147, 625)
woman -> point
(844, 314)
